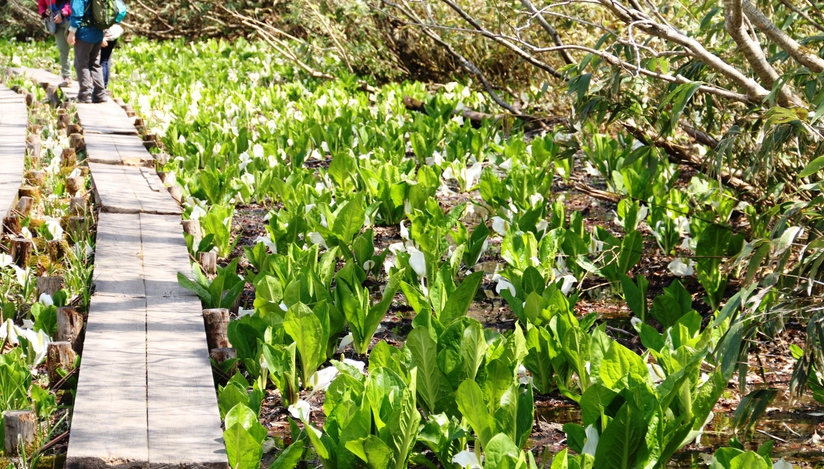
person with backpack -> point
(110, 37)
(87, 40)
(55, 14)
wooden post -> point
(68, 158)
(77, 141)
(48, 285)
(59, 356)
(69, 326)
(176, 193)
(77, 205)
(29, 191)
(74, 129)
(12, 225)
(20, 251)
(35, 178)
(208, 261)
(220, 355)
(58, 248)
(76, 185)
(162, 175)
(53, 97)
(139, 124)
(217, 322)
(24, 205)
(34, 146)
(77, 228)
(63, 119)
(20, 426)
(192, 227)
(29, 99)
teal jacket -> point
(84, 31)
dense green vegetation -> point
(347, 213)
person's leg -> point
(63, 47)
(83, 59)
(105, 56)
(98, 89)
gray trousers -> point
(63, 47)
(89, 72)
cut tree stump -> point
(59, 356)
(69, 156)
(208, 261)
(77, 141)
(12, 225)
(217, 322)
(69, 327)
(49, 285)
(21, 251)
(20, 426)
(35, 178)
(24, 205)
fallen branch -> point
(477, 118)
(682, 155)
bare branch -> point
(785, 42)
(556, 38)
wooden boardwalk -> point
(13, 119)
(145, 395)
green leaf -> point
(242, 449)
(472, 406)
(349, 219)
(501, 453)
(431, 381)
(812, 167)
(458, 302)
(619, 363)
(290, 457)
(304, 327)
(371, 450)
(619, 444)
(243, 415)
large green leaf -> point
(304, 327)
(619, 443)
(618, 364)
(472, 406)
(458, 302)
(431, 381)
(242, 449)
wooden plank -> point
(184, 421)
(164, 255)
(117, 149)
(118, 260)
(105, 118)
(13, 121)
(123, 189)
(41, 76)
(109, 425)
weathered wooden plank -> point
(109, 424)
(42, 76)
(164, 255)
(118, 264)
(105, 118)
(184, 421)
(13, 120)
(117, 149)
(123, 189)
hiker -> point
(87, 41)
(110, 37)
(55, 14)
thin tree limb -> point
(556, 38)
(803, 14)
(780, 38)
